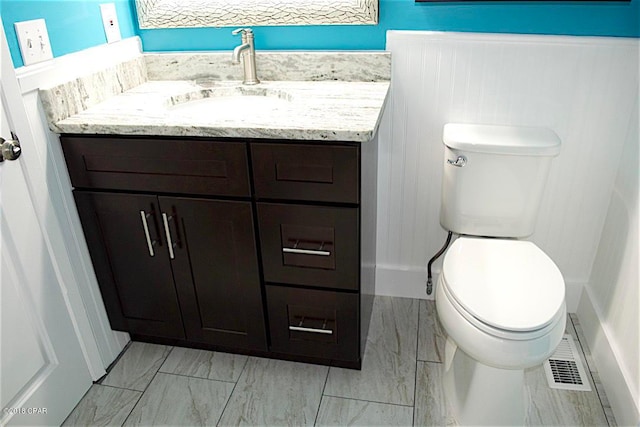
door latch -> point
(9, 149)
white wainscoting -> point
(100, 344)
(583, 88)
(609, 308)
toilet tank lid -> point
(499, 139)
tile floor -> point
(399, 384)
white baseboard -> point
(406, 282)
(615, 380)
(410, 282)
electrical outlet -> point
(33, 39)
(110, 22)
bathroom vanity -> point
(251, 234)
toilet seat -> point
(507, 288)
(501, 332)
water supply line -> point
(432, 260)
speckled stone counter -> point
(304, 96)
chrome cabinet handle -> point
(301, 328)
(144, 216)
(459, 162)
(316, 252)
(167, 232)
(306, 252)
(312, 330)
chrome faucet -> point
(247, 52)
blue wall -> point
(72, 25)
(569, 18)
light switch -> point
(33, 39)
(110, 22)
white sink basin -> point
(229, 101)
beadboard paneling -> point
(609, 309)
(583, 88)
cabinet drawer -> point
(306, 172)
(313, 323)
(157, 165)
(310, 245)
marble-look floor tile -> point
(276, 392)
(174, 400)
(103, 406)
(604, 401)
(430, 408)
(336, 411)
(431, 335)
(272, 392)
(137, 366)
(548, 406)
(212, 365)
(389, 364)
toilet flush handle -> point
(458, 162)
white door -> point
(43, 372)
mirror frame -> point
(225, 13)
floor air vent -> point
(565, 369)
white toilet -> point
(501, 300)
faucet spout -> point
(235, 57)
(246, 53)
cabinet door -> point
(216, 271)
(130, 258)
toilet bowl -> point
(502, 304)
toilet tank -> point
(494, 178)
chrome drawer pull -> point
(305, 252)
(170, 244)
(312, 330)
(316, 252)
(301, 328)
(144, 216)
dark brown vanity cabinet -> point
(250, 246)
(310, 223)
(175, 267)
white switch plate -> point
(33, 39)
(110, 22)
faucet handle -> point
(242, 30)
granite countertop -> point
(321, 108)
(325, 110)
